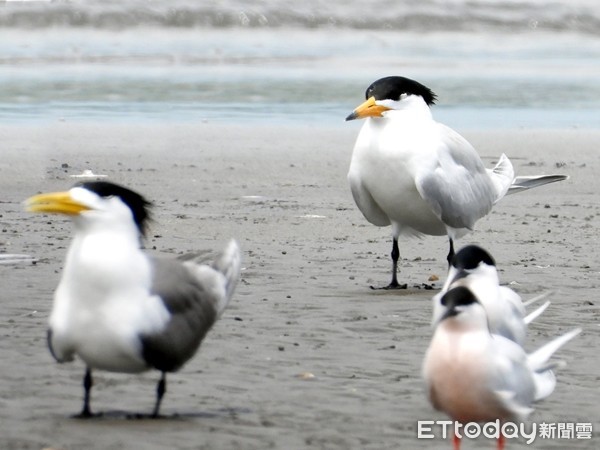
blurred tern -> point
(119, 309)
(475, 269)
(88, 173)
(474, 375)
(420, 176)
(16, 258)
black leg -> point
(450, 256)
(87, 386)
(395, 257)
(161, 388)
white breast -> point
(103, 304)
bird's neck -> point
(104, 262)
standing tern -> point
(119, 309)
(474, 375)
(418, 175)
(475, 268)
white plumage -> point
(420, 176)
(474, 375)
(119, 309)
(474, 268)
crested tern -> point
(474, 268)
(119, 309)
(474, 375)
(418, 175)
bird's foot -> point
(86, 414)
(142, 416)
(392, 286)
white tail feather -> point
(229, 264)
(541, 368)
(523, 183)
(537, 298)
(538, 359)
(536, 313)
(502, 176)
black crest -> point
(139, 206)
(459, 296)
(471, 256)
(391, 88)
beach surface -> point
(307, 355)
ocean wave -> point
(581, 16)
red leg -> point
(500, 442)
(456, 442)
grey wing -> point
(193, 313)
(205, 256)
(512, 381)
(217, 272)
(456, 186)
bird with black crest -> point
(419, 176)
(119, 308)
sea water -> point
(493, 64)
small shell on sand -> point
(306, 376)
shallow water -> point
(492, 63)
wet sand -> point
(304, 305)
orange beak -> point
(368, 109)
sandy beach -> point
(306, 356)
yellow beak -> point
(367, 109)
(54, 202)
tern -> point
(418, 175)
(474, 268)
(119, 309)
(474, 375)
